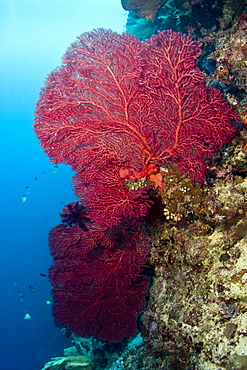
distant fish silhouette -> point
(27, 316)
(55, 168)
(43, 275)
(21, 296)
(23, 198)
(31, 288)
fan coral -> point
(119, 105)
(99, 287)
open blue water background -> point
(34, 35)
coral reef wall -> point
(196, 315)
(198, 308)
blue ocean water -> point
(34, 34)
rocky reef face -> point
(143, 8)
(197, 313)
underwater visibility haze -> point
(34, 36)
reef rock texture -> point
(230, 55)
(197, 312)
(230, 59)
(145, 8)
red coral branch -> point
(118, 202)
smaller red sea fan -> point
(99, 289)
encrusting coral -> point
(198, 302)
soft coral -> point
(119, 105)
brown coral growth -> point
(145, 8)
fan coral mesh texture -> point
(99, 288)
(117, 105)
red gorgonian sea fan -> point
(99, 284)
(118, 108)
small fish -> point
(43, 172)
(23, 198)
(36, 180)
(55, 168)
(31, 288)
(27, 188)
(27, 316)
(15, 282)
(48, 302)
(43, 275)
(21, 296)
